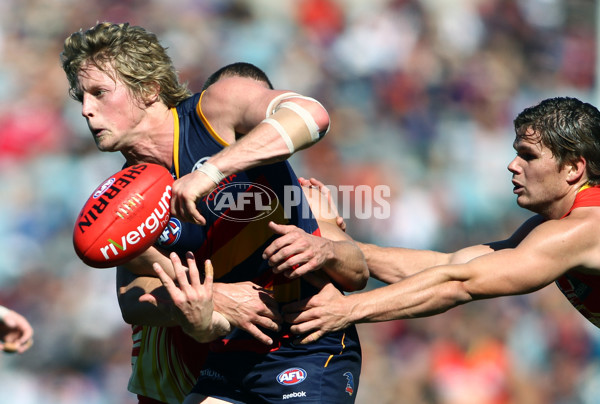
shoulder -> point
(573, 241)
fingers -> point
(180, 273)
(259, 335)
(304, 182)
(315, 182)
(187, 192)
(279, 242)
(280, 228)
(193, 271)
(193, 215)
(148, 298)
(27, 334)
(292, 241)
(304, 324)
(309, 338)
(172, 289)
(16, 346)
(187, 211)
(208, 273)
(23, 344)
(341, 223)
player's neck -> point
(562, 206)
(154, 139)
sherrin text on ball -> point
(123, 216)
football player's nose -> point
(513, 167)
(86, 107)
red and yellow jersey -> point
(583, 290)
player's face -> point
(111, 111)
(538, 182)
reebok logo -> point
(294, 395)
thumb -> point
(161, 304)
(279, 228)
(148, 298)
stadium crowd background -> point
(422, 94)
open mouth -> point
(517, 187)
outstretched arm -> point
(547, 252)
(392, 264)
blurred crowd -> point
(421, 93)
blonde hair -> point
(135, 54)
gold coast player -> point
(556, 174)
(236, 131)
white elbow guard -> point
(293, 122)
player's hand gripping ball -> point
(123, 216)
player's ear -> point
(576, 169)
(152, 93)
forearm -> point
(392, 264)
(425, 294)
(142, 264)
(129, 289)
(346, 266)
(284, 131)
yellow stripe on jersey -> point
(287, 292)
(211, 130)
(584, 186)
(175, 141)
(246, 242)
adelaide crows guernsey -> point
(583, 290)
(236, 233)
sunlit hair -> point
(568, 127)
(134, 53)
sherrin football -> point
(123, 216)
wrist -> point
(212, 172)
(218, 327)
(353, 315)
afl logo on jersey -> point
(171, 233)
(291, 376)
(199, 163)
(244, 202)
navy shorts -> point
(326, 371)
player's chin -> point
(528, 204)
(522, 202)
(104, 144)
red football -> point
(123, 216)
